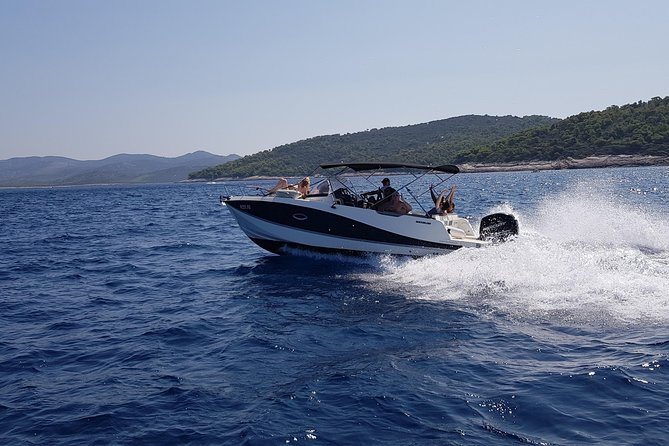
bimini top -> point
(446, 168)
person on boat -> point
(393, 202)
(442, 204)
(281, 184)
(378, 192)
(302, 187)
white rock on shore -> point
(570, 163)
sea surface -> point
(142, 315)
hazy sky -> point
(89, 79)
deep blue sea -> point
(142, 315)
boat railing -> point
(236, 190)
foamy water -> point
(582, 258)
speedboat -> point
(335, 218)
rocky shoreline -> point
(590, 162)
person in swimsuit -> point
(442, 204)
(302, 187)
(393, 202)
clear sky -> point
(89, 79)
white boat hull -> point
(318, 224)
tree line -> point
(428, 143)
(640, 128)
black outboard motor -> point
(498, 227)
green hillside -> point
(641, 128)
(428, 143)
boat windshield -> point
(335, 184)
(322, 187)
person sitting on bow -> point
(302, 187)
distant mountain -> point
(124, 168)
(638, 129)
(429, 143)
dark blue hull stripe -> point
(326, 223)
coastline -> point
(591, 162)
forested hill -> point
(428, 143)
(641, 128)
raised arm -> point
(434, 196)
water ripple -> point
(142, 315)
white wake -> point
(582, 258)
